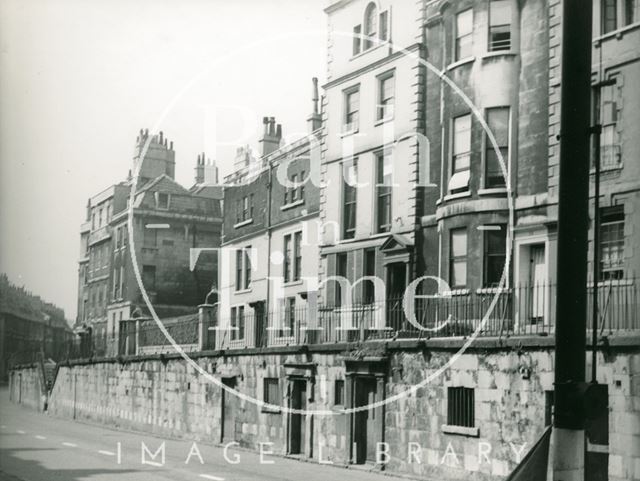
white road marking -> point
(20, 431)
(153, 463)
(107, 453)
(210, 476)
(70, 445)
(37, 436)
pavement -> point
(37, 447)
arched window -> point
(370, 25)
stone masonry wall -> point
(167, 397)
(25, 387)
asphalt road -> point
(38, 447)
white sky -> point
(79, 78)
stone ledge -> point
(463, 431)
(630, 340)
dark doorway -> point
(260, 331)
(396, 285)
(365, 435)
(396, 280)
(228, 414)
(298, 400)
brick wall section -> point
(171, 398)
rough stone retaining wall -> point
(168, 397)
(26, 387)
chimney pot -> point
(171, 145)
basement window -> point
(460, 407)
(271, 392)
(338, 398)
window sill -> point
(282, 340)
(347, 133)
(458, 63)
(459, 195)
(243, 223)
(266, 410)
(607, 168)
(383, 121)
(618, 33)
(493, 191)
(297, 282)
(457, 292)
(291, 205)
(375, 235)
(470, 432)
(379, 44)
(243, 291)
(236, 343)
(499, 53)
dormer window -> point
(162, 200)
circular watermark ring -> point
(477, 113)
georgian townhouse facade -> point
(169, 220)
(374, 103)
(269, 259)
(615, 102)
(496, 52)
(442, 405)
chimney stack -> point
(314, 122)
(200, 169)
(271, 137)
(210, 172)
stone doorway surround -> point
(297, 372)
(372, 369)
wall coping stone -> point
(532, 342)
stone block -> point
(470, 462)
(499, 467)
(616, 466)
(485, 379)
